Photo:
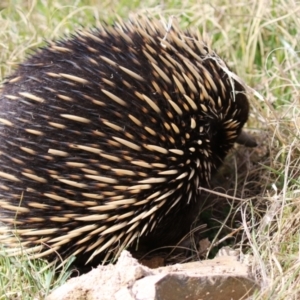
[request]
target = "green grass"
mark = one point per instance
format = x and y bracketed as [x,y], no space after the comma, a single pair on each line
[259,40]
[21,278]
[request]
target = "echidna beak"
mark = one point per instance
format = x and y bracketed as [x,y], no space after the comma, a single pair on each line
[246,139]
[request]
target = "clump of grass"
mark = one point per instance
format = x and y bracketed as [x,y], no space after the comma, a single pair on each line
[259,40]
[21,278]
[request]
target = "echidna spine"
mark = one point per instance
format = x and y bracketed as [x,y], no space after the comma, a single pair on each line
[106,137]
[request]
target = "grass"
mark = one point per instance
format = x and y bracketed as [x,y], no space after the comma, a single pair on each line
[259,40]
[21,278]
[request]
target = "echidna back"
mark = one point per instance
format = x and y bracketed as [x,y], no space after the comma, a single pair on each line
[106,137]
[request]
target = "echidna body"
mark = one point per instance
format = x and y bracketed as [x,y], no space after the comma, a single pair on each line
[107,136]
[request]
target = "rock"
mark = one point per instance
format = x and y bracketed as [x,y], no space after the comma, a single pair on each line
[221,278]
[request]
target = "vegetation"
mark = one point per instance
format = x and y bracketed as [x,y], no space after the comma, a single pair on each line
[259,39]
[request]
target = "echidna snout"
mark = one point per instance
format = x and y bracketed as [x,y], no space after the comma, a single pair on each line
[106,137]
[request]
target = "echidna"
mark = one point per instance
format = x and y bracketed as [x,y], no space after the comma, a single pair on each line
[106,137]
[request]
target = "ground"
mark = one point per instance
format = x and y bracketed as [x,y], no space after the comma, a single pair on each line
[256,193]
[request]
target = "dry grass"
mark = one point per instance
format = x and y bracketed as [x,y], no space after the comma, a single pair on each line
[259,39]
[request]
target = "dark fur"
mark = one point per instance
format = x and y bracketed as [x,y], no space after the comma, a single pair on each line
[25,113]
